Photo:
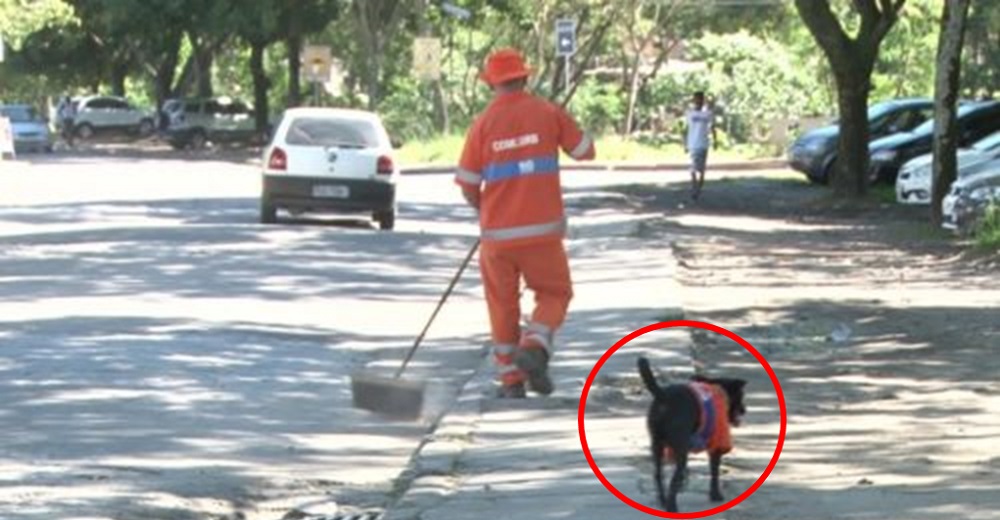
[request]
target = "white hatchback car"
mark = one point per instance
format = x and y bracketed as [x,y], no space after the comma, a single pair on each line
[913,186]
[330,160]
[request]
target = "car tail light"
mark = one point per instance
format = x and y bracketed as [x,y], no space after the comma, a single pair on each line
[385,166]
[278,160]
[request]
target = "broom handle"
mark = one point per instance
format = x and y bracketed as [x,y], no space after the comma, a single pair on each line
[444,298]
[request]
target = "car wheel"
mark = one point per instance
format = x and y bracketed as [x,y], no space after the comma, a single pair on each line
[874,176]
[268,212]
[386,219]
[829,173]
[146,128]
[198,140]
[84,131]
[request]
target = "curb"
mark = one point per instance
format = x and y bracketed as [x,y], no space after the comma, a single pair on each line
[430,477]
[767,164]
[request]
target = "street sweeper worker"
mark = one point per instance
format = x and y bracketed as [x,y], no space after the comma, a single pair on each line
[509,172]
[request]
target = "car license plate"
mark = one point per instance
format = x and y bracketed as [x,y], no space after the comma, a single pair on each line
[331,192]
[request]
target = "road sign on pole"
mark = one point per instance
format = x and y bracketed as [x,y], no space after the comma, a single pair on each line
[565,37]
[316,61]
[427,58]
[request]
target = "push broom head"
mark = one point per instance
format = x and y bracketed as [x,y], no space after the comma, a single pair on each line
[399,398]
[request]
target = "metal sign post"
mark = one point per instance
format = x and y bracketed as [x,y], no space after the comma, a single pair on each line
[566,44]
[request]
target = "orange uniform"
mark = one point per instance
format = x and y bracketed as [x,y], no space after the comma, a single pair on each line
[511,164]
[713,433]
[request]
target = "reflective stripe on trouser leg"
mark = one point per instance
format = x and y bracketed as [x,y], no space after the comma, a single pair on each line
[507,372]
[537,335]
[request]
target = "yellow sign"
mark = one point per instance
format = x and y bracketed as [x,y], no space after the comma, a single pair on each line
[316,60]
[427,58]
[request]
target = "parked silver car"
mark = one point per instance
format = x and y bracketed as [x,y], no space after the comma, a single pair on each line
[196,122]
[967,202]
[108,114]
[913,186]
[31,130]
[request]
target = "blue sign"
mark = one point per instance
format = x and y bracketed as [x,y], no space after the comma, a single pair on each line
[565,37]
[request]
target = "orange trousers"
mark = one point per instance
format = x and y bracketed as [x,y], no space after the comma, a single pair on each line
[545,270]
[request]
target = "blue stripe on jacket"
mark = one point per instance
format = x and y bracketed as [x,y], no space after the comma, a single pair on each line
[530,166]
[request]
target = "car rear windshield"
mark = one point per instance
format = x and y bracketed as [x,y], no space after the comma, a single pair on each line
[928,126]
[988,143]
[19,114]
[313,131]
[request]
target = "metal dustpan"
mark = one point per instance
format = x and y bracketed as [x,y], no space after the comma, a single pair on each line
[395,396]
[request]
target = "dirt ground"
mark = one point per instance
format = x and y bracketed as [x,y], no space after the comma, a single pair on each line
[884,334]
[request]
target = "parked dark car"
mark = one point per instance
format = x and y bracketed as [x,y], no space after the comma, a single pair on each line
[975,121]
[815,152]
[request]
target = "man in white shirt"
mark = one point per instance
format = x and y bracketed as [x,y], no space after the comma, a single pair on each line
[700,121]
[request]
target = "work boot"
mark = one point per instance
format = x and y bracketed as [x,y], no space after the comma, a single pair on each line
[534,361]
[511,391]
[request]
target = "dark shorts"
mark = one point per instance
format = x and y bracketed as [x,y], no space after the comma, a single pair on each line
[699,159]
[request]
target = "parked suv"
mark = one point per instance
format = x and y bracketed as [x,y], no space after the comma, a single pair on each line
[108,114]
[196,122]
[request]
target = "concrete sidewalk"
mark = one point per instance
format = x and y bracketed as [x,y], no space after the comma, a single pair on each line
[523,459]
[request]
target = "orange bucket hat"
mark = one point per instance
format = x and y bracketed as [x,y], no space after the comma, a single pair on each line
[504,65]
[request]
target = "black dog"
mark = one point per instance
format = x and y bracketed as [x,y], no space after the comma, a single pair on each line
[687,419]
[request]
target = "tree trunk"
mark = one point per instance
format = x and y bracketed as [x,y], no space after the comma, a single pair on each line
[946,90]
[850,177]
[184,81]
[165,72]
[852,61]
[442,100]
[633,95]
[260,85]
[203,59]
[119,72]
[294,43]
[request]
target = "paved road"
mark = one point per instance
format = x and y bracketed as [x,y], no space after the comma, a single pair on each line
[165,356]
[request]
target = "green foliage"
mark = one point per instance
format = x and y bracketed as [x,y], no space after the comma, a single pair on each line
[598,106]
[988,230]
[20,18]
[751,80]
[906,58]
[409,111]
[981,56]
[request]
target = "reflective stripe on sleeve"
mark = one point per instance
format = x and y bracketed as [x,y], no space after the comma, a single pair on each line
[581,149]
[468,177]
[534,230]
